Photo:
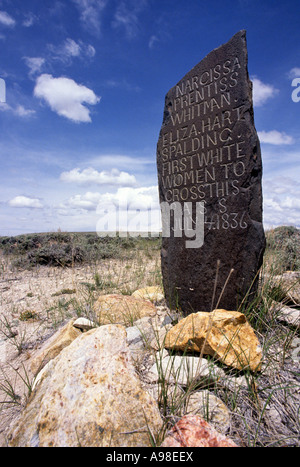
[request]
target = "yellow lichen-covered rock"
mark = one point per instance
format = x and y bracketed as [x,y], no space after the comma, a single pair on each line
[225,335]
[54,345]
[122,309]
[154,294]
[89,396]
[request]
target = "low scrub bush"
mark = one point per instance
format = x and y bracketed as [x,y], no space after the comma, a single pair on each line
[284,243]
[67,249]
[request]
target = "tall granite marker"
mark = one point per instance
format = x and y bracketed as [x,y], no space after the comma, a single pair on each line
[208,152]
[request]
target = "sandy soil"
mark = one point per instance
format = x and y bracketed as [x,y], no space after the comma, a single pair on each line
[41,292]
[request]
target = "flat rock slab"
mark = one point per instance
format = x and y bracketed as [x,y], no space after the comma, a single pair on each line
[53,346]
[286,314]
[122,309]
[208,152]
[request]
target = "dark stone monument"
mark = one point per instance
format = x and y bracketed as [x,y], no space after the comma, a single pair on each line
[208,152]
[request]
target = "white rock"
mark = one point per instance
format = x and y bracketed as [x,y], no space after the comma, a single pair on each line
[184,370]
[89,396]
[84,324]
[289,315]
[209,407]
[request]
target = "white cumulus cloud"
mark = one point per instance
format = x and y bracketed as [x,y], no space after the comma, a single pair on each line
[281,201]
[90,14]
[69,49]
[129,210]
[294,72]
[128,198]
[25,202]
[153,39]
[262,92]
[19,110]
[90,175]
[275,137]
[6,19]
[29,20]
[34,64]
[127,16]
[66,97]
[124,199]
[72,48]
[22,112]
[88,202]
[90,51]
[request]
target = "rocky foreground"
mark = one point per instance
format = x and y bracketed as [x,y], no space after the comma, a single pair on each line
[118,384]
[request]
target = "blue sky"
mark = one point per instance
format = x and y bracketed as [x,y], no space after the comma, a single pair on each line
[85,86]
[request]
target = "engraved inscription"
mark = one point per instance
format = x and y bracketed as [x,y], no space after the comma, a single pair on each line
[201,149]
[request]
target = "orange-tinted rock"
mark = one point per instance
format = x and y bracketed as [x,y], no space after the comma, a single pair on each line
[225,335]
[194,431]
